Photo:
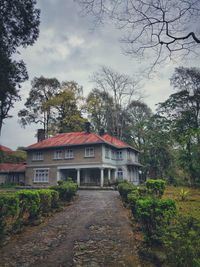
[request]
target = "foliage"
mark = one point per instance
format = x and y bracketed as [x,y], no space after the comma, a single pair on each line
[182,243]
[19,27]
[54,199]
[67,114]
[66,190]
[125,188]
[182,110]
[14,157]
[9,211]
[132,199]
[156,187]
[154,215]
[29,202]
[35,112]
[45,200]
[183,194]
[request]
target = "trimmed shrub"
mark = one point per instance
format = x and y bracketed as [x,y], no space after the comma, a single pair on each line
[66,190]
[182,242]
[156,187]
[45,200]
[154,215]
[132,198]
[9,212]
[29,203]
[125,188]
[54,199]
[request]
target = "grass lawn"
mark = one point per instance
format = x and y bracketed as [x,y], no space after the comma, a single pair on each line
[191,206]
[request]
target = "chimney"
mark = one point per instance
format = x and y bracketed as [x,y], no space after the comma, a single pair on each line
[40,135]
[87,127]
[101,132]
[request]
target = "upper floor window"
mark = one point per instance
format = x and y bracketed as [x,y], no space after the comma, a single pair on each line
[37,156]
[89,152]
[119,155]
[113,154]
[58,154]
[69,154]
[128,154]
[107,153]
[41,176]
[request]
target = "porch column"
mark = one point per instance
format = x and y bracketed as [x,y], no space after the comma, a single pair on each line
[102,177]
[58,175]
[78,177]
[109,174]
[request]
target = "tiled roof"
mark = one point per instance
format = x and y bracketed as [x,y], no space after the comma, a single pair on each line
[78,138]
[10,167]
[5,149]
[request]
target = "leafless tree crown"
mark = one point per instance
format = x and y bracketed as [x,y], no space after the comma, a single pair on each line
[166,27]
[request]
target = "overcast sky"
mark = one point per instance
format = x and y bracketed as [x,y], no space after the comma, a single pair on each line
[69,48]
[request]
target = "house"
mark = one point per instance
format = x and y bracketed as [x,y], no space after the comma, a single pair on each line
[12,173]
[6,149]
[88,158]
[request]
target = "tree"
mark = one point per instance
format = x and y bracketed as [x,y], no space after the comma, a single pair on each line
[165,28]
[121,88]
[138,114]
[99,107]
[19,27]
[12,73]
[67,114]
[42,90]
[183,111]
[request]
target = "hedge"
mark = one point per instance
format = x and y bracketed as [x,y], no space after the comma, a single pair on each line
[24,206]
[125,188]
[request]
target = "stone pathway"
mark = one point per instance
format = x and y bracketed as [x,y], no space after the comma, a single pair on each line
[93,231]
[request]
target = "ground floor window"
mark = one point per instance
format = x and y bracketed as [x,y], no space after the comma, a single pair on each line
[41,176]
[120,173]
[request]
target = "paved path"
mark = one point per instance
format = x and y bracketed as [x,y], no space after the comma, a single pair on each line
[93,231]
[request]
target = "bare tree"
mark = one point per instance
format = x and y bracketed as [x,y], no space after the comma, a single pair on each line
[165,27]
[122,88]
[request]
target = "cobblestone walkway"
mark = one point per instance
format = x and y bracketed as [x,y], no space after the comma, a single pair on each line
[93,231]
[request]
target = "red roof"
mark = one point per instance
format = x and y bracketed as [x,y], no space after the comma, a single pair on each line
[5,149]
[78,138]
[10,167]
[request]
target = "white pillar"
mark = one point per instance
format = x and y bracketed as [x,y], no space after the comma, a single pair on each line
[78,177]
[109,174]
[58,175]
[102,177]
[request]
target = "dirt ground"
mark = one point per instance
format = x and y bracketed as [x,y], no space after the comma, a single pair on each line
[95,230]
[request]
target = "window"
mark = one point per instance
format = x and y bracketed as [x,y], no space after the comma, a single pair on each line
[58,154]
[129,155]
[37,156]
[107,153]
[120,173]
[113,154]
[41,176]
[89,152]
[69,154]
[119,155]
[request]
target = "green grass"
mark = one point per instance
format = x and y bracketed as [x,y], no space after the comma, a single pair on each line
[189,207]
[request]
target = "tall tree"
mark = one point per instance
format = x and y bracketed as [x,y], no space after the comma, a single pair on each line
[35,112]
[166,28]
[19,27]
[99,107]
[122,88]
[67,113]
[183,110]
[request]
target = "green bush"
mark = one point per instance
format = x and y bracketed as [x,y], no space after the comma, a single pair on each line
[54,199]
[125,188]
[182,243]
[9,212]
[132,198]
[45,200]
[66,190]
[156,187]
[154,215]
[29,203]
